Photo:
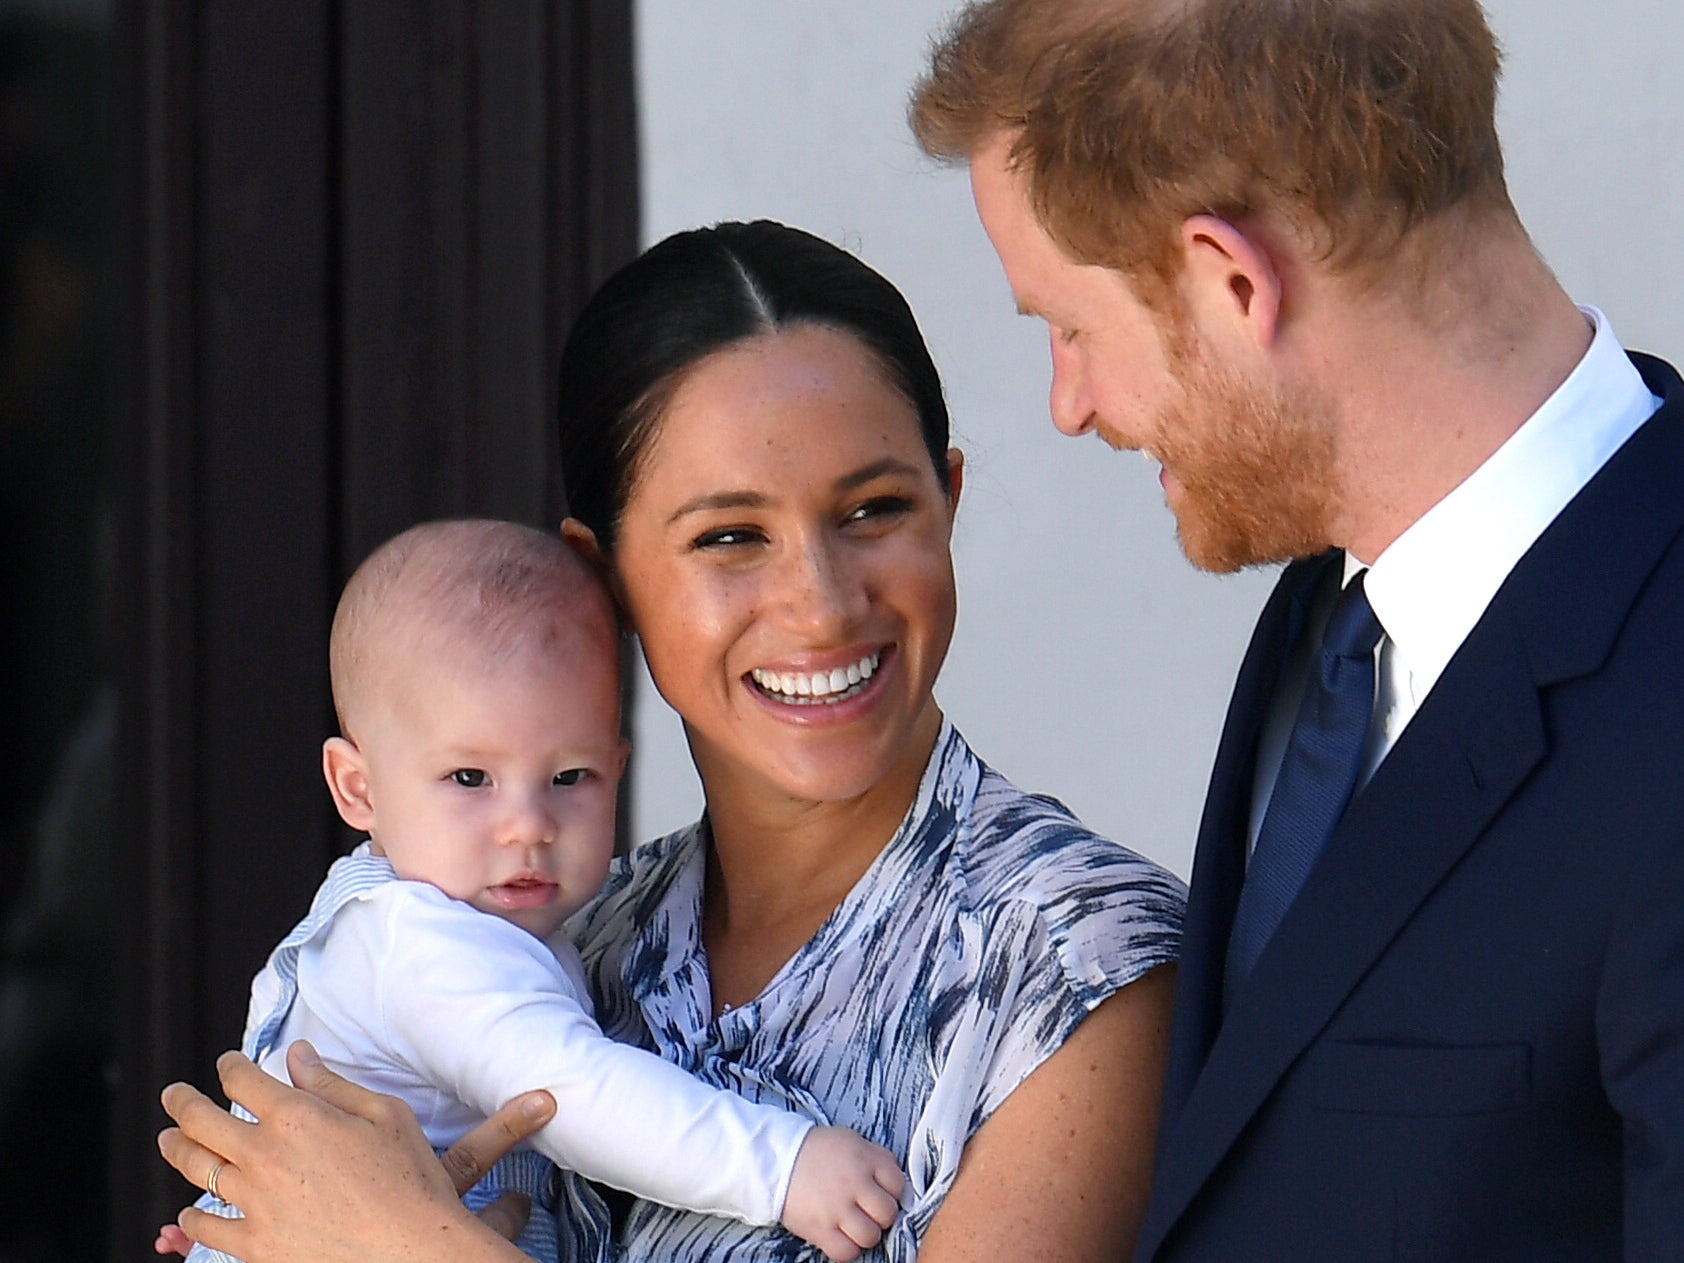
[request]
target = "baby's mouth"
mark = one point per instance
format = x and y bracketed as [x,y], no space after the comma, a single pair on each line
[817,688]
[524,892]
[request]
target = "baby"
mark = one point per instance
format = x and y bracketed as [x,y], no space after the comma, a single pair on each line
[476,679]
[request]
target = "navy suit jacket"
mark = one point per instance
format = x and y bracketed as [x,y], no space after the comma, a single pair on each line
[1466,1039]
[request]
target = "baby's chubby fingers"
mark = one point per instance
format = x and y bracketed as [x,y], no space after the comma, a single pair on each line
[880,1205]
[171,1240]
[837,1246]
[507,1215]
[860,1228]
[890,1178]
[891,1182]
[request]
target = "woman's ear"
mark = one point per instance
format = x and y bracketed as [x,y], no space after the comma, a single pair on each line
[582,540]
[346,773]
[955,477]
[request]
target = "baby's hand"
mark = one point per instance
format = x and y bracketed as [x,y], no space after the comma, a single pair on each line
[172,1240]
[843,1194]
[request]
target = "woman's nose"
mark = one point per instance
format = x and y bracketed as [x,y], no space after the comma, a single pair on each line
[1068,400]
[822,592]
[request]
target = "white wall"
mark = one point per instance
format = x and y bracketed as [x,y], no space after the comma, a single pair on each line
[1091,661]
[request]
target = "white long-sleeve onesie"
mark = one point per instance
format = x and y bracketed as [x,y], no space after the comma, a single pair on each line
[454,1011]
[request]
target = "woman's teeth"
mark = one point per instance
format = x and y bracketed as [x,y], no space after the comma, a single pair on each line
[826,688]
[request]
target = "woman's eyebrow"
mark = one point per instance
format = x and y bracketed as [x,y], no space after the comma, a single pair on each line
[719,500]
[715,500]
[877,469]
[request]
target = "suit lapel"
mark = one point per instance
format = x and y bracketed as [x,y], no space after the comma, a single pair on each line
[1219,864]
[1473,742]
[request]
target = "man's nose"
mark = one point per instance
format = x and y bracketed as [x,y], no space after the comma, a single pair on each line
[1069,400]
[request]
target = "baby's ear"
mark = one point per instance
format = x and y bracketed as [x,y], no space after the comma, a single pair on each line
[346,773]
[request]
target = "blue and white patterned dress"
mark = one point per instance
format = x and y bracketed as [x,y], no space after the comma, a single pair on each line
[989,927]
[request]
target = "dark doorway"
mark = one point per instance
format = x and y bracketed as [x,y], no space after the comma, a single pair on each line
[275,282]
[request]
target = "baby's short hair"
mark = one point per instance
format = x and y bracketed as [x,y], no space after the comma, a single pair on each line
[470,586]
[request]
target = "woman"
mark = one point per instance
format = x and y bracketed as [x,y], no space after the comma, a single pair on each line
[868,923]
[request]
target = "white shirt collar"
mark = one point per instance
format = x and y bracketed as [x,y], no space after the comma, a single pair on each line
[1430,587]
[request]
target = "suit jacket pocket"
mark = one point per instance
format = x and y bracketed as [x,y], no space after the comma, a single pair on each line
[1419,1080]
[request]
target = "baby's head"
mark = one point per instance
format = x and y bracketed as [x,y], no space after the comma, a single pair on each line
[476,676]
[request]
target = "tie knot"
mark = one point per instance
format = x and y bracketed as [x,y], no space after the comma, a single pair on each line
[1352,631]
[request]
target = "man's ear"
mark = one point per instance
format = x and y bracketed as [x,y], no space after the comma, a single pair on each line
[346,773]
[955,477]
[1231,279]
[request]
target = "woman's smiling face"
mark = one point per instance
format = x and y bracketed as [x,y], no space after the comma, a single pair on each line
[784,558]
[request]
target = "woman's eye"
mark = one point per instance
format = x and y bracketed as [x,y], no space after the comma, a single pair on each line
[468,777]
[572,776]
[727,537]
[880,507]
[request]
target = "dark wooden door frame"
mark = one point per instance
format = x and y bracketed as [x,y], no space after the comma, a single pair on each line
[357,234]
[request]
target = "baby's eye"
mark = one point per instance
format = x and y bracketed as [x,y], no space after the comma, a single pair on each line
[468,777]
[572,776]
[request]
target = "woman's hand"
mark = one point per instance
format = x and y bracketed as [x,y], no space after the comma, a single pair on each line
[333,1172]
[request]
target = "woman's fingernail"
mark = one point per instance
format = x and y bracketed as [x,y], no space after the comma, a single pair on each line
[534,1107]
[306,1054]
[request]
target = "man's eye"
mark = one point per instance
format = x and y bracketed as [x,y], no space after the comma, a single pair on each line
[572,776]
[468,777]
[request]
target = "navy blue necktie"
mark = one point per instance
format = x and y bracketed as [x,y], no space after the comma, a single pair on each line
[1317,777]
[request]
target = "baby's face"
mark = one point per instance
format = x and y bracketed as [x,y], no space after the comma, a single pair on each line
[497,785]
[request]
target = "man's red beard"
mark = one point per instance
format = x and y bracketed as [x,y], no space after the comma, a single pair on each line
[1255,467]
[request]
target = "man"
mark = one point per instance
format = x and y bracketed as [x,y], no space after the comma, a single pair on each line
[1431,1003]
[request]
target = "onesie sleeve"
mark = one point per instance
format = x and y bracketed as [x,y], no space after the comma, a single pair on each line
[485,1010]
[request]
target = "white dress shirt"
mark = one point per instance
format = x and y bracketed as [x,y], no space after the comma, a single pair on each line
[1432,585]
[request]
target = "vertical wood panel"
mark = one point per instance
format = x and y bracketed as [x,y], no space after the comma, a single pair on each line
[158,1025]
[514,228]
[356,233]
[404,166]
[266,398]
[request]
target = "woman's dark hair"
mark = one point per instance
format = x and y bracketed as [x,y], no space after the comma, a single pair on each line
[697,293]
